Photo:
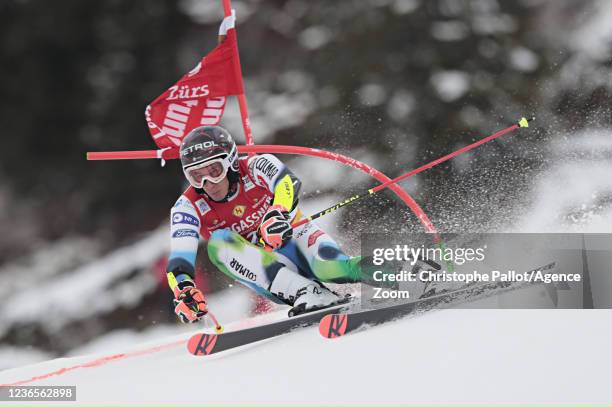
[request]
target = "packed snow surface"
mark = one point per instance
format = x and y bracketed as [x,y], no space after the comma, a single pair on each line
[452,356]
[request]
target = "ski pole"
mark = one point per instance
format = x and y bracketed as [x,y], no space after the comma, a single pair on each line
[218,326]
[523,123]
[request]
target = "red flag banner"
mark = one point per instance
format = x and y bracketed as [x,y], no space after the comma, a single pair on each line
[198,98]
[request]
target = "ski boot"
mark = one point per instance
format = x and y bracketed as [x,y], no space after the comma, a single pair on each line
[313,297]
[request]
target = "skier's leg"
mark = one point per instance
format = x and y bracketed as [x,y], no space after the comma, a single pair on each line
[324,259]
[268,273]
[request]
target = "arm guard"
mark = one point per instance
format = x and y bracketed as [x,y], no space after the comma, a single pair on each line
[286,193]
[185,236]
[267,170]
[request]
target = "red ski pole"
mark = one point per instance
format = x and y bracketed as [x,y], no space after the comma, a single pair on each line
[523,123]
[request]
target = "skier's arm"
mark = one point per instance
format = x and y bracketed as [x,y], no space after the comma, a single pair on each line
[287,191]
[270,172]
[185,235]
[189,302]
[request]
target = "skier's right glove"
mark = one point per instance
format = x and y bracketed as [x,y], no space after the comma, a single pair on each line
[275,229]
[189,303]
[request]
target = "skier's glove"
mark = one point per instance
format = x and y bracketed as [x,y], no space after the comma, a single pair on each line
[275,229]
[189,303]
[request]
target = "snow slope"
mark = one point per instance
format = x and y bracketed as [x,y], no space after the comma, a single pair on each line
[452,356]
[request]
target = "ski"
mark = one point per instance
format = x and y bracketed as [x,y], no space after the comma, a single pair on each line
[208,343]
[334,325]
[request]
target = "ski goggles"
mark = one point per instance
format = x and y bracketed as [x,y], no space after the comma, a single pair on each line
[212,170]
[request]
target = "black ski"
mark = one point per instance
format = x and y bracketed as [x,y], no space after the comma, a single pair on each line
[209,343]
[334,325]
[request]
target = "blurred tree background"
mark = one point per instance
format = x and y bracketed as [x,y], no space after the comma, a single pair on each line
[394,83]
[407,80]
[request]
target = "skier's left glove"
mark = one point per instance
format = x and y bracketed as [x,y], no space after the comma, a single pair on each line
[275,229]
[189,303]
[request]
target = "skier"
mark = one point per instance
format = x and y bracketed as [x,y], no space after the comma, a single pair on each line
[244,208]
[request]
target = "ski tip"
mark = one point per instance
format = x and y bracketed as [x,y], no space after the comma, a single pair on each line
[201,344]
[333,325]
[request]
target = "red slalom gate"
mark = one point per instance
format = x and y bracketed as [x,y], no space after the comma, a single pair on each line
[170,154]
[351,162]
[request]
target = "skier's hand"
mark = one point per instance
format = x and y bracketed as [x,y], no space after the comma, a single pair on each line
[275,229]
[189,304]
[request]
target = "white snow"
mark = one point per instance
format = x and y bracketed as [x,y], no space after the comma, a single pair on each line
[453,356]
[570,196]
[45,263]
[372,94]
[288,111]
[229,306]
[594,38]
[273,112]
[325,174]
[315,37]
[12,356]
[65,294]
[451,85]
[401,104]
[524,59]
